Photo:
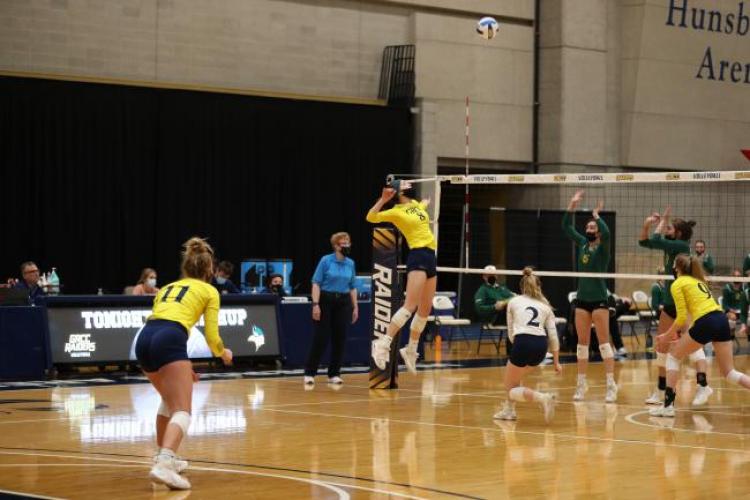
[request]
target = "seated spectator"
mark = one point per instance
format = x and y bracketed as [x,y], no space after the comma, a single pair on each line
[658,292]
[222,272]
[146,283]
[704,257]
[29,281]
[276,285]
[491,299]
[735,304]
[618,306]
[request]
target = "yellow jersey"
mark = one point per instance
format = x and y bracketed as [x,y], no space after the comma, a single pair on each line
[692,296]
[184,302]
[412,220]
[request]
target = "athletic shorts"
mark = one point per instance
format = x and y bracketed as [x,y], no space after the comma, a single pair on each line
[422,259]
[713,327]
[591,306]
[528,350]
[670,310]
[160,342]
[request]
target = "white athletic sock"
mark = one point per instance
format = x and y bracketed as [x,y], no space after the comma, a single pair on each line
[538,396]
[581,378]
[413,344]
[166,453]
[610,378]
[386,339]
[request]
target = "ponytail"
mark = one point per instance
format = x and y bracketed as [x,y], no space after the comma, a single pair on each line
[531,286]
[690,266]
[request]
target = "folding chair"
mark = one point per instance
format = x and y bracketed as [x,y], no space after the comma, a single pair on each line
[444,312]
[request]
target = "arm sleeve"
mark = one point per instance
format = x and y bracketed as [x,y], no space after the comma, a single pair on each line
[708,264]
[655,297]
[554,342]
[726,299]
[604,230]
[211,317]
[569,230]
[353,279]
[382,216]
[510,321]
[679,301]
[481,303]
[659,242]
[319,271]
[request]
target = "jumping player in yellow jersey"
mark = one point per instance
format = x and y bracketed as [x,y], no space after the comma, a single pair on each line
[693,297]
[161,350]
[411,218]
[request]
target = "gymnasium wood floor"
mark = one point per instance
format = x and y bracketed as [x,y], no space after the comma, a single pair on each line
[433,438]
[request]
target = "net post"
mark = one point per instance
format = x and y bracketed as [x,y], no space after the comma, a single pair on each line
[386,300]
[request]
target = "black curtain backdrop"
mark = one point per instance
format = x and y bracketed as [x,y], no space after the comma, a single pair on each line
[103,180]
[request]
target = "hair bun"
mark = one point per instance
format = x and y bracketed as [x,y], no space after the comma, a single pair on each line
[196,245]
[527,271]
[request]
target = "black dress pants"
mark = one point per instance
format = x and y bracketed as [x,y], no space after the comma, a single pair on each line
[335,317]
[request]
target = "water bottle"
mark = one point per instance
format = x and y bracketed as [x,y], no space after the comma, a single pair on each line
[54,282]
[100,292]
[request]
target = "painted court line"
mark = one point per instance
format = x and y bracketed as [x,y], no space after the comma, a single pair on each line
[335,487]
[531,433]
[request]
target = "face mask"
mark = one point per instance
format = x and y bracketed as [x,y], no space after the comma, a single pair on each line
[699,253]
[220,280]
[151,282]
[346,250]
[591,236]
[276,288]
[492,280]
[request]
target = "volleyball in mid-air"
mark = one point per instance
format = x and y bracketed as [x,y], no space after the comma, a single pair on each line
[487,27]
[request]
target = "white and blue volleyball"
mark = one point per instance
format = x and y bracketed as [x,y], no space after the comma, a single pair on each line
[487,27]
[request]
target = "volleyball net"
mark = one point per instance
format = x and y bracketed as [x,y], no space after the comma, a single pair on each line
[516,221]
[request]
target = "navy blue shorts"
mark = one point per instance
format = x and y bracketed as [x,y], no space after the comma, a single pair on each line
[713,327]
[528,350]
[670,310]
[591,306]
[161,342]
[422,259]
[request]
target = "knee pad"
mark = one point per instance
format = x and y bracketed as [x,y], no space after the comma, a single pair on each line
[734,376]
[401,317]
[163,410]
[182,420]
[418,323]
[697,356]
[661,359]
[606,351]
[516,394]
[582,352]
[673,364]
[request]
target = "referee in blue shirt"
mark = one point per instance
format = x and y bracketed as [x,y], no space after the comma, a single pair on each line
[334,305]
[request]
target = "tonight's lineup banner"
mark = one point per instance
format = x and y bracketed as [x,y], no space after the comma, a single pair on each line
[98,334]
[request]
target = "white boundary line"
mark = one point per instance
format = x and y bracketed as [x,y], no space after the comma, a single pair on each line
[531,433]
[136,463]
[631,419]
[30,495]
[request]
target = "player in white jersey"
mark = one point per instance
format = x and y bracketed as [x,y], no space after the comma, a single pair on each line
[531,329]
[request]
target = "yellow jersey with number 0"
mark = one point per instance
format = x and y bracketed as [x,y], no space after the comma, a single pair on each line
[184,302]
[692,296]
[412,220]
